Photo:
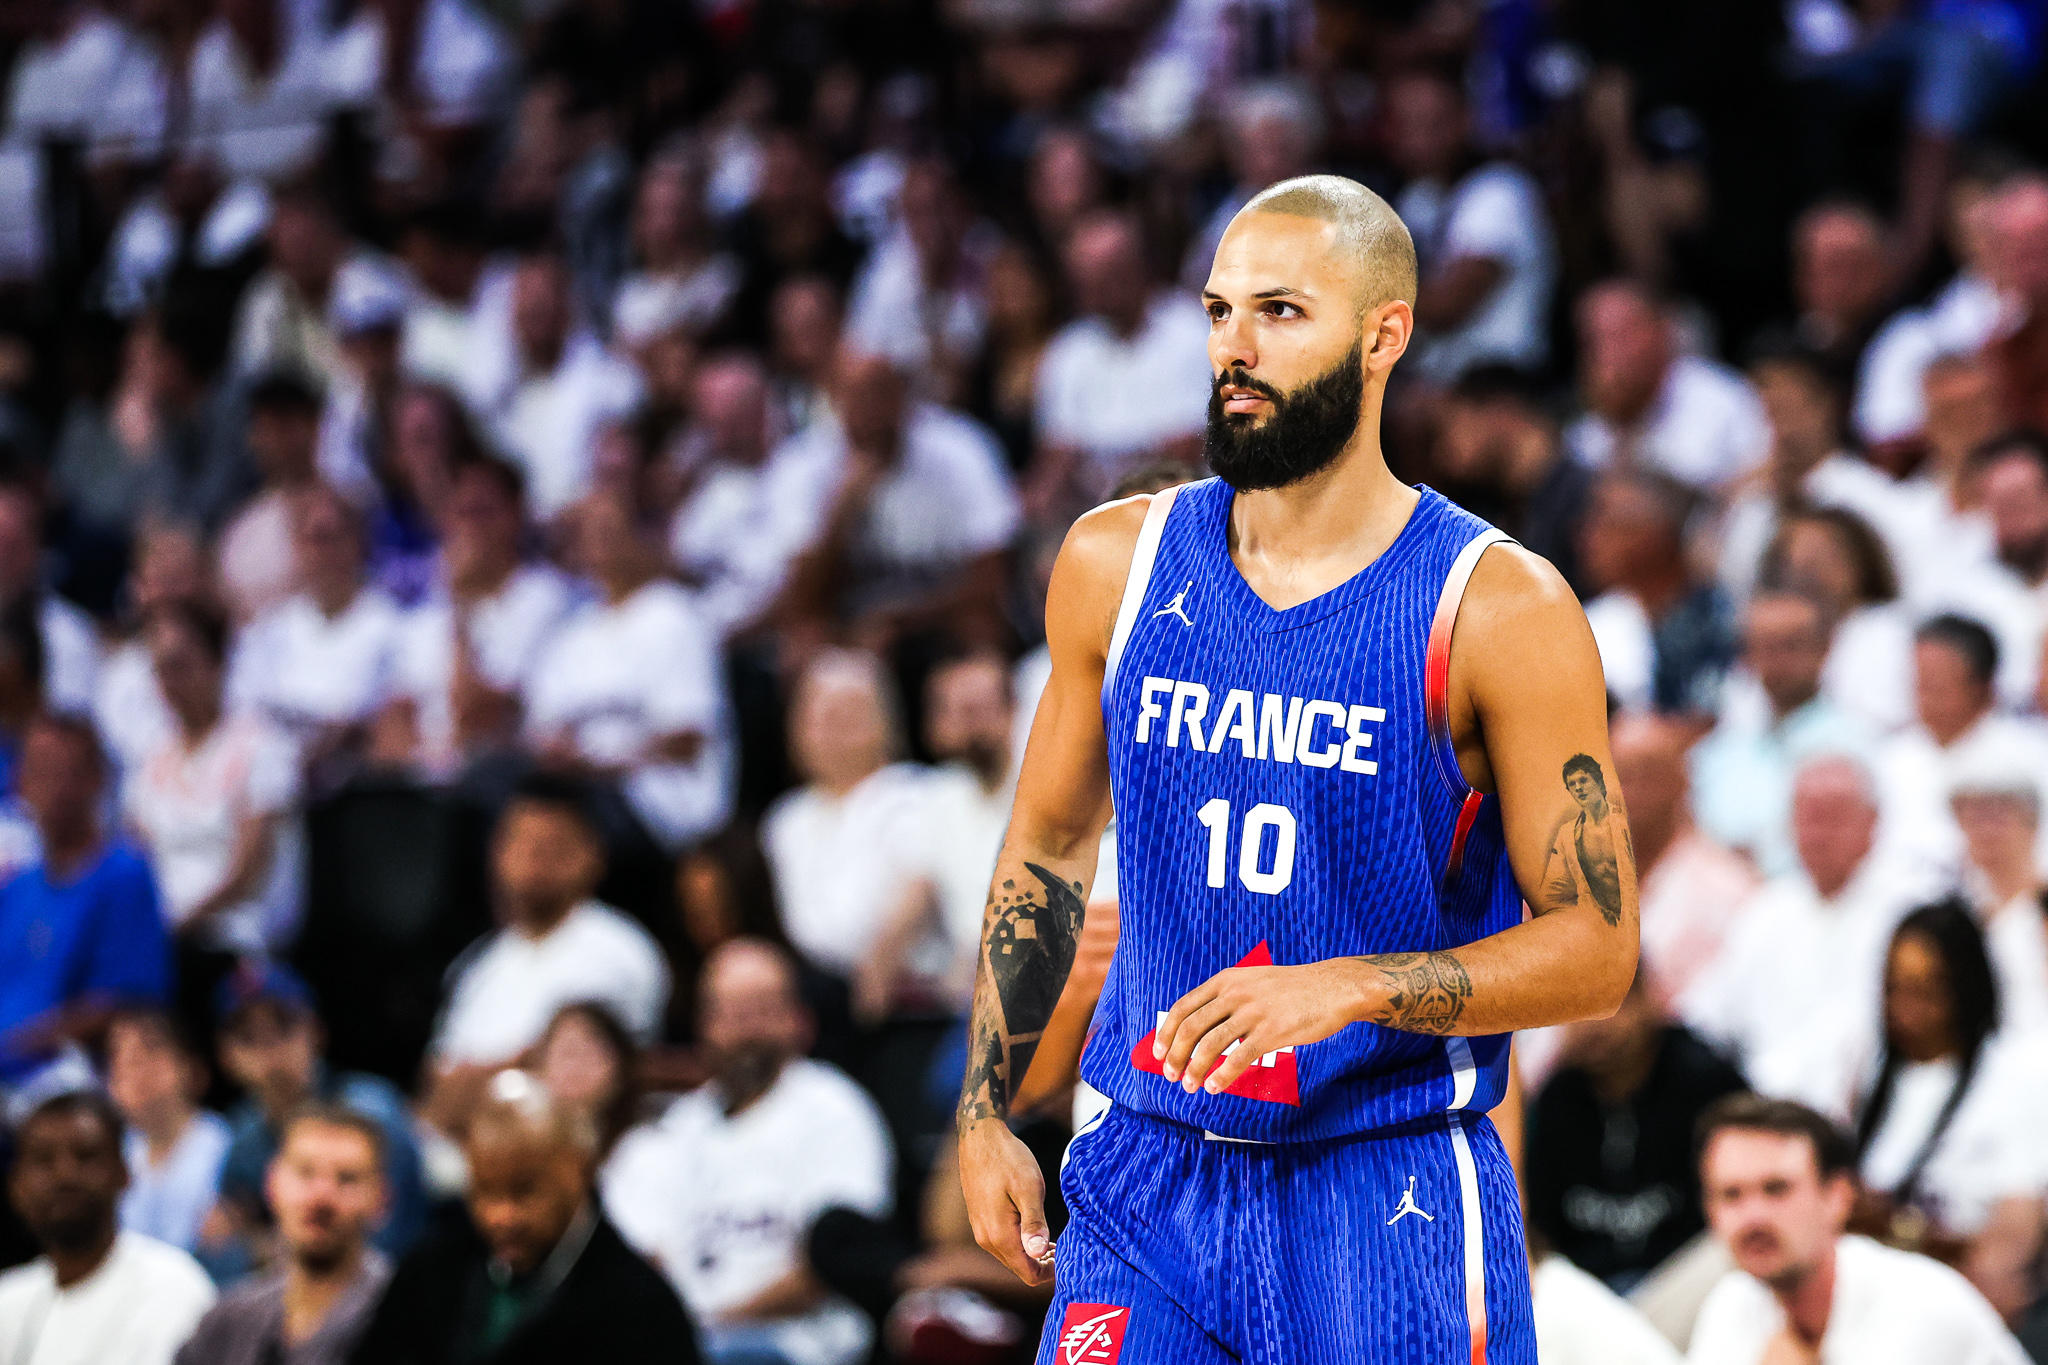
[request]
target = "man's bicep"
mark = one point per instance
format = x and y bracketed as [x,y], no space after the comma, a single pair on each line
[1541,703]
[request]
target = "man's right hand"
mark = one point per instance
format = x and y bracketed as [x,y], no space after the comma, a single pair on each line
[1006,1199]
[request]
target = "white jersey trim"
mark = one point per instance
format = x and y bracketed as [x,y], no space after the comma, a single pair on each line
[1136,581]
[1475,1236]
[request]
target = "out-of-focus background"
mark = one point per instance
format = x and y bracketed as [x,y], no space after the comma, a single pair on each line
[506,506]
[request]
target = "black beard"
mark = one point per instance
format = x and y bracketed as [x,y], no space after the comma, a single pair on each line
[1306,432]
[745,1071]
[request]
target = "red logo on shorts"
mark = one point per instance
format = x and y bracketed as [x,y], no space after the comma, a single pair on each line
[1092,1334]
[1272,1077]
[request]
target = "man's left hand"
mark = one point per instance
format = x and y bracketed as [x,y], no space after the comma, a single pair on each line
[1261,1009]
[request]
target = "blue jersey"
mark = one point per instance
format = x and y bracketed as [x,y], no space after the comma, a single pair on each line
[1286,791]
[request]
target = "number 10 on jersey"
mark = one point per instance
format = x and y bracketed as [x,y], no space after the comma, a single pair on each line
[1260,818]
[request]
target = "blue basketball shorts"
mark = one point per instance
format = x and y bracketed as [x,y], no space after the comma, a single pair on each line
[1396,1248]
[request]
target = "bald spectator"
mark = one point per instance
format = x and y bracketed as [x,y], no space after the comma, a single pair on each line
[1649,404]
[723,1190]
[916,536]
[1692,889]
[1963,414]
[1795,993]
[536,1274]
[750,497]
[1275,133]
[1665,638]
[95,1293]
[1839,282]
[1127,379]
[1482,236]
[326,1189]
[1776,719]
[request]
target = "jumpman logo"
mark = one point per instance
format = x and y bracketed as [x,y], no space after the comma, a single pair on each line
[1408,1206]
[1177,607]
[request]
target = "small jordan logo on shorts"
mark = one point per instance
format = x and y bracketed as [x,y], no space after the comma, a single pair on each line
[1178,606]
[1092,1334]
[1408,1206]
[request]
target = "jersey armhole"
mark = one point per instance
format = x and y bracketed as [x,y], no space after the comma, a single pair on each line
[1436,674]
[1136,581]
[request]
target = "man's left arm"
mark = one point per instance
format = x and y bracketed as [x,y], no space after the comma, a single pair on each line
[1529,714]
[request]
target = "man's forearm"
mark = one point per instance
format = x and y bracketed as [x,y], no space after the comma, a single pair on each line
[1552,970]
[1028,940]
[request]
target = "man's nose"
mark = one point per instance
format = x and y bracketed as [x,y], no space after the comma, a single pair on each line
[1230,344]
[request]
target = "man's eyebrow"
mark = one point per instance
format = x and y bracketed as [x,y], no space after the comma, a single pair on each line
[1278,291]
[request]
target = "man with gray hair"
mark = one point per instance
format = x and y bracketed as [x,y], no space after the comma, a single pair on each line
[1996,799]
[536,1274]
[1795,996]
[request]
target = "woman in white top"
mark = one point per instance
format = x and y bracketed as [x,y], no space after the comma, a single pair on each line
[214,801]
[1948,1127]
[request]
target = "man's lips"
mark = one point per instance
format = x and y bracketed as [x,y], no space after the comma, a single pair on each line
[1237,399]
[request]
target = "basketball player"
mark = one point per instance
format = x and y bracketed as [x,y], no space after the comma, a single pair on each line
[1348,729]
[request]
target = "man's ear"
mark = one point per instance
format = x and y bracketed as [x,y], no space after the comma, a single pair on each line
[1388,330]
[1839,1192]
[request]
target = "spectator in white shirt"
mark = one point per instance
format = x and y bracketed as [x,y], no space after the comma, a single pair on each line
[1482,236]
[216,801]
[320,666]
[256,568]
[750,504]
[71,649]
[1794,996]
[721,1193]
[257,94]
[1779,1184]
[552,389]
[1964,414]
[1773,722]
[842,848]
[174,1148]
[1958,726]
[676,247]
[97,1293]
[1833,554]
[630,691]
[558,946]
[471,648]
[1580,1321]
[1127,379]
[1649,404]
[917,534]
[1948,1113]
[1808,467]
[170,564]
[920,300]
[1997,805]
[282,323]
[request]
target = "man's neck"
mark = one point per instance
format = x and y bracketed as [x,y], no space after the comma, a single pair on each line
[539,926]
[2011,878]
[161,1129]
[1949,735]
[1833,887]
[1304,539]
[1808,1302]
[1784,709]
[73,1266]
[334,598]
[483,578]
[68,852]
[309,1294]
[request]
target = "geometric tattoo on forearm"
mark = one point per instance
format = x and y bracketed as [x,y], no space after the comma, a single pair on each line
[1029,939]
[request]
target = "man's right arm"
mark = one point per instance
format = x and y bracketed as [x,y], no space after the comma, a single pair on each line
[1033,923]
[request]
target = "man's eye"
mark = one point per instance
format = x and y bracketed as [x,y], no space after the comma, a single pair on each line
[1274,306]
[1216,311]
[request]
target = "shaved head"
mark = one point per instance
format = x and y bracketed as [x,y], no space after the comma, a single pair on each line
[1369,235]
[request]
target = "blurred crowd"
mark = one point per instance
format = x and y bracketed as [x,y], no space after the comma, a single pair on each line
[524,528]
